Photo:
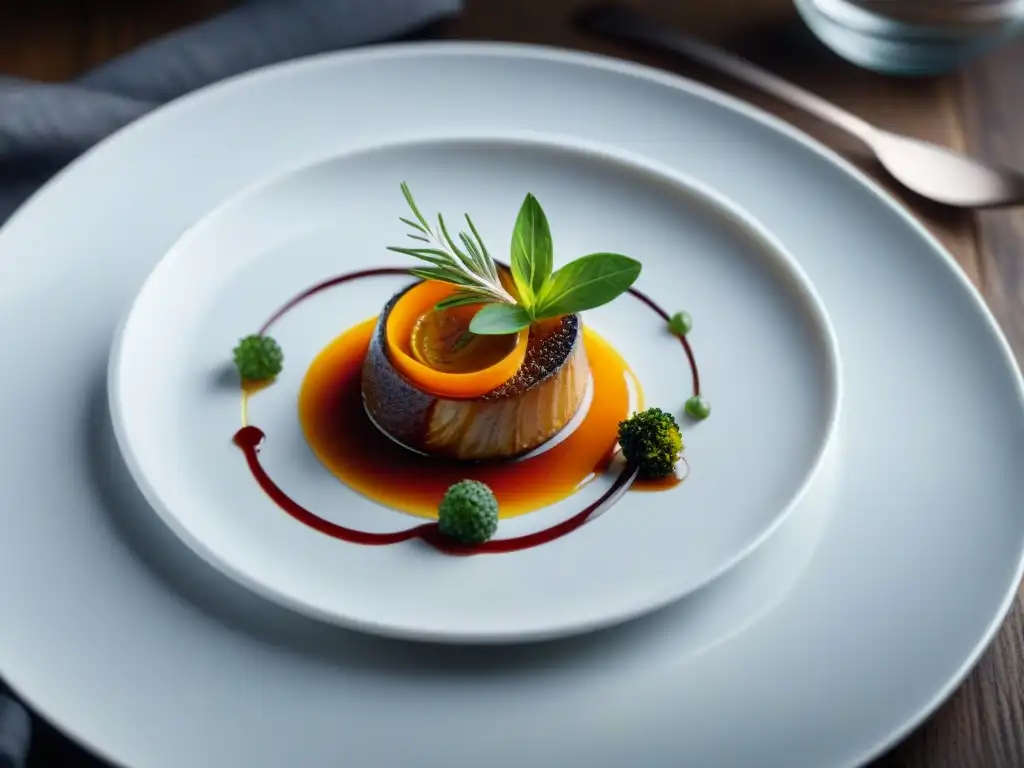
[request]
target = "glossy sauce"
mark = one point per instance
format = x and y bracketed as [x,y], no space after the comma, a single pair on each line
[658,484]
[340,433]
[442,340]
[250,438]
[347,443]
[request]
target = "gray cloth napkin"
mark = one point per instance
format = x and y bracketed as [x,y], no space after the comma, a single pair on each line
[44,126]
[15,731]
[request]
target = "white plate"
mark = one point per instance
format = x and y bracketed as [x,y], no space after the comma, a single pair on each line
[766,354]
[916,567]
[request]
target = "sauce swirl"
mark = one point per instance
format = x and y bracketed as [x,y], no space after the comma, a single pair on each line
[347,443]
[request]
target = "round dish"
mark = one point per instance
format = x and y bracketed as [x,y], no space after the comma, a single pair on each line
[768,360]
[918,562]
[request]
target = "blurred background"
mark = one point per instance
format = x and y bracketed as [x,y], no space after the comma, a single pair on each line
[950,71]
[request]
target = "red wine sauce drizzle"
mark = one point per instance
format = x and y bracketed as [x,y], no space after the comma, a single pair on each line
[329,284]
[250,438]
[685,341]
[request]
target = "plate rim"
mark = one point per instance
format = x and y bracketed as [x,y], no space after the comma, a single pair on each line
[697,192]
[643,72]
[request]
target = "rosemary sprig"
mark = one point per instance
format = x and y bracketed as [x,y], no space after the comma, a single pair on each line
[543,292]
[471,267]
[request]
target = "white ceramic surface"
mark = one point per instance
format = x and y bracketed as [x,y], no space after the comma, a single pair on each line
[767,356]
[916,566]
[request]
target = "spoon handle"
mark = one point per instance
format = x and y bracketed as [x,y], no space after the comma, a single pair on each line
[620,23]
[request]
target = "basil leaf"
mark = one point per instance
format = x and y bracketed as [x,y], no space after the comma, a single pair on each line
[586,283]
[497,319]
[532,250]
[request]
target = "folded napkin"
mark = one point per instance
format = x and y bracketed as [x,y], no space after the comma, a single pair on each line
[43,126]
[15,730]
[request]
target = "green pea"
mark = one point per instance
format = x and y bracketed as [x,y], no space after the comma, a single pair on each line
[681,323]
[698,408]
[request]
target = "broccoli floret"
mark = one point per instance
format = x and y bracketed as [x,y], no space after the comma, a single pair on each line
[258,358]
[468,513]
[651,441]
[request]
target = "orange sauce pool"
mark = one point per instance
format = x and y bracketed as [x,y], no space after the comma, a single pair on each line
[657,484]
[344,439]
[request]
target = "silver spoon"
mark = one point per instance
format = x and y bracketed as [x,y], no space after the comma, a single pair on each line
[931,171]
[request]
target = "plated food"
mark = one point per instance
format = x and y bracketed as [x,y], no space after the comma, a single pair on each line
[478,392]
[192,629]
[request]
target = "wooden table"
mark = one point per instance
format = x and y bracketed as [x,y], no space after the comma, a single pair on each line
[981,110]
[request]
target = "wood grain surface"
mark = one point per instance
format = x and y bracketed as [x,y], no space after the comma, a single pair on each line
[982,110]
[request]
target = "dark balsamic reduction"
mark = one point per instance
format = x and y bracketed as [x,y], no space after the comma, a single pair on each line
[250,438]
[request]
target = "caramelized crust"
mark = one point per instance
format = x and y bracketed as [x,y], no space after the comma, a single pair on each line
[526,411]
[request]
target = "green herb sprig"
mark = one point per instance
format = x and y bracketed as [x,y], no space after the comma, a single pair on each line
[542,292]
[472,269]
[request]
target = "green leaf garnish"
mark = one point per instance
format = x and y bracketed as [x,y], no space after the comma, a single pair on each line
[497,319]
[532,251]
[464,261]
[586,283]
